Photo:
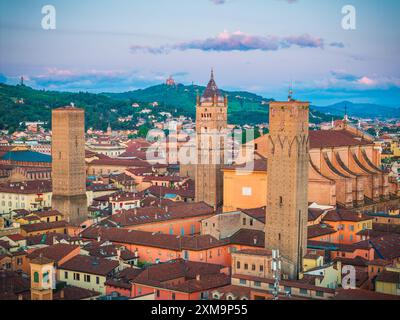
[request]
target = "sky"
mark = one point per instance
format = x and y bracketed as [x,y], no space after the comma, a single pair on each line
[261,46]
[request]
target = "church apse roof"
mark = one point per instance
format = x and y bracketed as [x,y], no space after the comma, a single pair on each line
[333,138]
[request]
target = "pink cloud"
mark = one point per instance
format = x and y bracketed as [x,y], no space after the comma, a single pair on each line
[238,41]
[366,81]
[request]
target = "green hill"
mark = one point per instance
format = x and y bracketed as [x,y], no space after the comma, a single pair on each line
[244,107]
[21,103]
[37,105]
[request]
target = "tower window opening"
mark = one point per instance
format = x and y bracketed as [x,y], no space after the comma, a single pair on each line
[281,201]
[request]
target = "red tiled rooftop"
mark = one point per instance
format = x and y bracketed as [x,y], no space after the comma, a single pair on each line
[345,215]
[156,240]
[319,230]
[54,252]
[15,237]
[178,210]
[74,293]
[197,276]
[91,265]
[27,187]
[335,138]
[249,237]
[256,252]
[44,226]
[50,213]
[121,162]
[256,213]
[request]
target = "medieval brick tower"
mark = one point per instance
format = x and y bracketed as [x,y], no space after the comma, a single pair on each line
[287,206]
[68,164]
[211,123]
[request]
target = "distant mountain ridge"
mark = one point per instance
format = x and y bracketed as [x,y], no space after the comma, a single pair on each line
[363,110]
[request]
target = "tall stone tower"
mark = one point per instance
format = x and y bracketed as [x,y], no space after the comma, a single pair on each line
[68,164]
[211,123]
[287,205]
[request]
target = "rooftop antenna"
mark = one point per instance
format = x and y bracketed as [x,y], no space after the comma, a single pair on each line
[276,267]
[290,91]
[346,117]
[378,131]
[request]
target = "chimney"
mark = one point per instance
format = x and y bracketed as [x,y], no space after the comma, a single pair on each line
[166,208]
[119,254]
[198,277]
[135,211]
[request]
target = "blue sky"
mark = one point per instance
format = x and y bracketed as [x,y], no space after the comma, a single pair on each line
[254,45]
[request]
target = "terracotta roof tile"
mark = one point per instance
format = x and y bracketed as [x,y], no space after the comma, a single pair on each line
[335,138]
[74,293]
[318,230]
[91,265]
[174,211]
[345,215]
[44,226]
[198,276]
[157,240]
[54,252]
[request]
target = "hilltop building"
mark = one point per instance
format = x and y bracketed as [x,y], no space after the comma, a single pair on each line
[170,81]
